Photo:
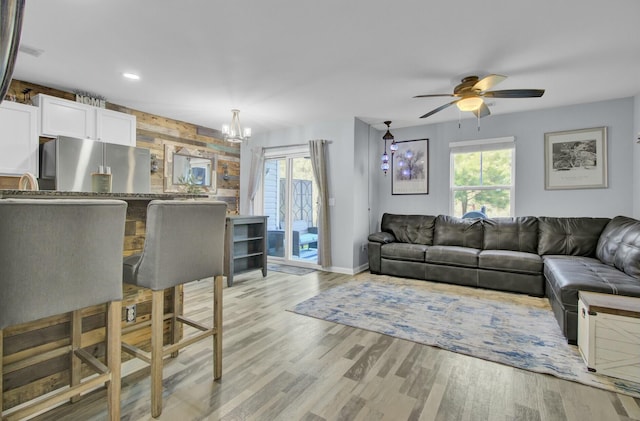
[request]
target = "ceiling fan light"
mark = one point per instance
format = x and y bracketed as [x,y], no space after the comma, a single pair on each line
[470,104]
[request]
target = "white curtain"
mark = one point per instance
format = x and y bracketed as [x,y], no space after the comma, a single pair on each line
[255,175]
[319,162]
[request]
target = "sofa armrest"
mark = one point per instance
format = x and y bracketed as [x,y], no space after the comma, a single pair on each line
[382,237]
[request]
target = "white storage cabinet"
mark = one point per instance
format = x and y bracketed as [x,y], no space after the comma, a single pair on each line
[18,139]
[609,334]
[61,117]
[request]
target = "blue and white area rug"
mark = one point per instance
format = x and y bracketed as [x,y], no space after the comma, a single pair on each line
[511,329]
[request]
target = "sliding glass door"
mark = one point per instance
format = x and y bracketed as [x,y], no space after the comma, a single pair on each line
[290,199]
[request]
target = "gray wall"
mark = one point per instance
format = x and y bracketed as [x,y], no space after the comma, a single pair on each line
[362,192]
[636,157]
[528,129]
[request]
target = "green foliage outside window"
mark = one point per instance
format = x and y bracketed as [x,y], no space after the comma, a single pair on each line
[474,175]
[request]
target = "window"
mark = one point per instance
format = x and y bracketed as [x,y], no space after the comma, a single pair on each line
[482,177]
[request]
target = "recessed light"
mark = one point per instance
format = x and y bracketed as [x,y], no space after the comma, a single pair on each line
[131,76]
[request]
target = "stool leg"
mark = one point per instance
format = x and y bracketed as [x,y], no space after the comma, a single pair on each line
[177,311]
[113,338]
[76,338]
[157,330]
[217,323]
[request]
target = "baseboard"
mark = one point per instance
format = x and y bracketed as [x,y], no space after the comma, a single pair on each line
[348,271]
[361,268]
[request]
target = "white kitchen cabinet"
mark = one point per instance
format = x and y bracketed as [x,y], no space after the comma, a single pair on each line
[61,117]
[18,139]
[115,127]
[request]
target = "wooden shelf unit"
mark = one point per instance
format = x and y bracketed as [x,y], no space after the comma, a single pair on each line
[245,246]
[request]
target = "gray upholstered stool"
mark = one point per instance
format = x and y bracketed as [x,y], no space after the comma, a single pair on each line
[59,256]
[184,242]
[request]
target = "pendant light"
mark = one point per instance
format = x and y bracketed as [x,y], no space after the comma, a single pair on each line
[393,147]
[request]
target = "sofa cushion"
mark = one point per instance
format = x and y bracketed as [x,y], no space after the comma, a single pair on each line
[453,255]
[517,234]
[510,261]
[568,275]
[619,245]
[569,236]
[452,231]
[403,251]
[308,238]
[414,229]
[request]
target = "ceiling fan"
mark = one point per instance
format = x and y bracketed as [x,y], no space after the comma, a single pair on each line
[471,91]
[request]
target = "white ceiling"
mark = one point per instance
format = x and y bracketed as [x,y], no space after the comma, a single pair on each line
[287,63]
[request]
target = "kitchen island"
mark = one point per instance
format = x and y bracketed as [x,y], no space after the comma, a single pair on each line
[136,208]
[55,194]
[35,361]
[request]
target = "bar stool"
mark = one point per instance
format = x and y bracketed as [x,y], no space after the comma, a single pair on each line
[59,256]
[184,242]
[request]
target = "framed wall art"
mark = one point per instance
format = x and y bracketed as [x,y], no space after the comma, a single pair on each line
[576,159]
[410,167]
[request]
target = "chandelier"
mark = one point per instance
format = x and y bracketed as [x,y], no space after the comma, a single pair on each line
[393,147]
[233,132]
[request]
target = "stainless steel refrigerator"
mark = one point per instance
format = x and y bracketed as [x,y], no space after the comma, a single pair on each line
[67,164]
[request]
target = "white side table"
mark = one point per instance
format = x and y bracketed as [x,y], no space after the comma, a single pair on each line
[609,334]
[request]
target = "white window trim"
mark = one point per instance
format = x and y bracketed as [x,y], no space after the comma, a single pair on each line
[482,145]
[496,141]
[286,152]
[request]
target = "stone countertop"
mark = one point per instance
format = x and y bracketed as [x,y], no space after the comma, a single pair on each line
[91,195]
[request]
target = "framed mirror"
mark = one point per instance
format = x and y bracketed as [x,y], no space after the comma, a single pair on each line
[189,170]
[192,170]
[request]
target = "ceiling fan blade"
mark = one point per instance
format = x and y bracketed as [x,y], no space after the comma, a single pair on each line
[488,82]
[483,111]
[434,95]
[440,108]
[515,93]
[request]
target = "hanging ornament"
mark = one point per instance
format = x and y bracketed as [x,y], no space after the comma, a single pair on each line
[385,161]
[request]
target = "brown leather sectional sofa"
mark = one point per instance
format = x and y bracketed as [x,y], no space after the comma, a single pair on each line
[551,256]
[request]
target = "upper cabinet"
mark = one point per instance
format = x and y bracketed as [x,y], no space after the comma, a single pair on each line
[115,127]
[18,139]
[61,117]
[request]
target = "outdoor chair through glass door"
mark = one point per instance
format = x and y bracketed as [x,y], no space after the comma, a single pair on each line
[290,198]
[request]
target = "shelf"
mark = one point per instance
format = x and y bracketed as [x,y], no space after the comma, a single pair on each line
[245,245]
[239,240]
[244,256]
[239,271]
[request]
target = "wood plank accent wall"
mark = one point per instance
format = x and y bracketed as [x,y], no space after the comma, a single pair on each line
[152,133]
[32,352]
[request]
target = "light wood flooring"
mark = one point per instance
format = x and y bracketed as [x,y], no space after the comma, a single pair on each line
[278,365]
